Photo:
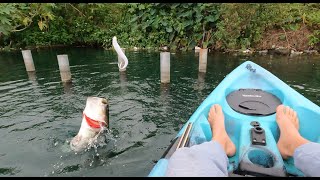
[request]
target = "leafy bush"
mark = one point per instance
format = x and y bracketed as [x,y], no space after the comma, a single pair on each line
[181,26]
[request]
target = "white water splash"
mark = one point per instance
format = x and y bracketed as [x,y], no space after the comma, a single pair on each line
[102,138]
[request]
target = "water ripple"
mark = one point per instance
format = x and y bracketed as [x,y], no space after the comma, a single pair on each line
[39,115]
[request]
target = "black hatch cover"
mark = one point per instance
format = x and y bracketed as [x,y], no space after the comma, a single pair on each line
[255,102]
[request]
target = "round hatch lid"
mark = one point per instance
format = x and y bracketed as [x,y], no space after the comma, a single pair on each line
[254,102]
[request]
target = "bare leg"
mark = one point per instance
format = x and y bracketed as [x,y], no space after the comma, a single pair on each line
[206,159]
[219,134]
[290,138]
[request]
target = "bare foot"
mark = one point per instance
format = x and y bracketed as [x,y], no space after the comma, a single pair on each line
[292,116]
[219,134]
[290,137]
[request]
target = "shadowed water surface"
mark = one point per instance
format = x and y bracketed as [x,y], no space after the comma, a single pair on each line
[39,114]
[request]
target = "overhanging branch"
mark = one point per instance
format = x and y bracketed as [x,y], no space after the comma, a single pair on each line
[77,9]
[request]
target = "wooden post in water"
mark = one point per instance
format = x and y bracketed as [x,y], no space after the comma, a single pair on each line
[121,60]
[64,68]
[28,60]
[203,55]
[165,67]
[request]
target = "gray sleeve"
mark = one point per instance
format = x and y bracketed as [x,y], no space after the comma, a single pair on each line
[206,159]
[307,159]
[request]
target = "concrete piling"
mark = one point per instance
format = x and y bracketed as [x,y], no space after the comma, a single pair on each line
[165,67]
[203,56]
[28,60]
[32,75]
[64,67]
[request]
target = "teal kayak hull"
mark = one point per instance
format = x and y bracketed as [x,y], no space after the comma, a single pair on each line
[238,125]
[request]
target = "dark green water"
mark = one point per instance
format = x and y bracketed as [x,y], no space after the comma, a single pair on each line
[39,114]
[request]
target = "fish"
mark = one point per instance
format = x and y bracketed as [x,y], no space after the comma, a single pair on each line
[95,118]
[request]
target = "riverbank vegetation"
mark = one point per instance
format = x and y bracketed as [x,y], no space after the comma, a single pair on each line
[179,26]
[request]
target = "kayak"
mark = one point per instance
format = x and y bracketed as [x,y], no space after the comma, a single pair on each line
[249,96]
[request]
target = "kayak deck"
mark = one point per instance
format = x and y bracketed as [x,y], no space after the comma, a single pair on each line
[249,158]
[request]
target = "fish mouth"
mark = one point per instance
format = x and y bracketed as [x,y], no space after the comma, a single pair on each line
[104,101]
[97,108]
[95,102]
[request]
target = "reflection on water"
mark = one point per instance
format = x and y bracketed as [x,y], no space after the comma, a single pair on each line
[123,81]
[164,92]
[67,87]
[123,76]
[32,76]
[201,81]
[39,114]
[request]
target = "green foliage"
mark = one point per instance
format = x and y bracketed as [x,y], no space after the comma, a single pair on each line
[74,24]
[5,21]
[242,25]
[313,20]
[18,16]
[181,26]
[314,39]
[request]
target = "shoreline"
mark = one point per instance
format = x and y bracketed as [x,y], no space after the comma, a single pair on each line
[275,50]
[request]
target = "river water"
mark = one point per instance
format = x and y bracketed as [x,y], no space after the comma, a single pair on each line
[39,115]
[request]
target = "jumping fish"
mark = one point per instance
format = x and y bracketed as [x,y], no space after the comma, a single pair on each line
[95,118]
